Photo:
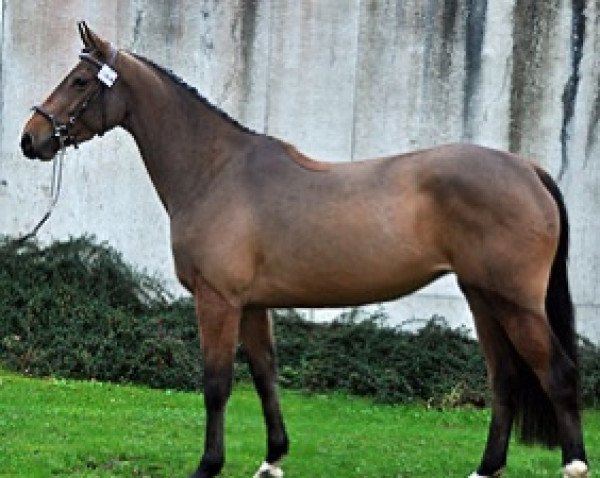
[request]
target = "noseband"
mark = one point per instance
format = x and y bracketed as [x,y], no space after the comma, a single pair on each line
[106,77]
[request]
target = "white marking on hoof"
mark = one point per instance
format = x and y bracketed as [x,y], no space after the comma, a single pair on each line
[268,470]
[495,475]
[576,469]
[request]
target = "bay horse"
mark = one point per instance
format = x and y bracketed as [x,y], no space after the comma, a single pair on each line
[255,224]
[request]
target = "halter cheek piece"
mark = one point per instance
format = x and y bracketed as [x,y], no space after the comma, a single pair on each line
[106,77]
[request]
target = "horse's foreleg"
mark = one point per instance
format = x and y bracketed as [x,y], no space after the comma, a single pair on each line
[256,334]
[219,326]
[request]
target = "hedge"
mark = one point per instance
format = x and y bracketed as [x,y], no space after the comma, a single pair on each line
[76,309]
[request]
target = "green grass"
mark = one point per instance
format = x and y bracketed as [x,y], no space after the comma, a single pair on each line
[51,428]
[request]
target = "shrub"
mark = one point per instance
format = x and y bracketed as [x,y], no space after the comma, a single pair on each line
[75,309]
[368,358]
[589,359]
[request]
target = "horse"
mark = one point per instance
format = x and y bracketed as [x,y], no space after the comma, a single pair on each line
[255,224]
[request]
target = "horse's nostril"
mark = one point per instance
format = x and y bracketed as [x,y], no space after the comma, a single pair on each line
[27,145]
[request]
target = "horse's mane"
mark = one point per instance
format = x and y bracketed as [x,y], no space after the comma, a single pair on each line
[293,153]
[193,91]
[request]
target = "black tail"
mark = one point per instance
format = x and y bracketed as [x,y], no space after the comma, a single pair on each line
[559,306]
[535,415]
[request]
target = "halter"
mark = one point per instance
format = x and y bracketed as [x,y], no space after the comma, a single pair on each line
[106,77]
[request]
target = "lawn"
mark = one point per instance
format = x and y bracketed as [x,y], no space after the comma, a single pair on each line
[60,428]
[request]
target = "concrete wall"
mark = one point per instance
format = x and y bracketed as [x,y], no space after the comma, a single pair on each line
[343,80]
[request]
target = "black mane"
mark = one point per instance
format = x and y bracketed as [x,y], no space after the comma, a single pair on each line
[194,92]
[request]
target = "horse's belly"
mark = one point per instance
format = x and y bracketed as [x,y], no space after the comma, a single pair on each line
[346,283]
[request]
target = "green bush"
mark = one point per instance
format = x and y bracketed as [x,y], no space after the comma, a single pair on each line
[589,359]
[367,358]
[75,309]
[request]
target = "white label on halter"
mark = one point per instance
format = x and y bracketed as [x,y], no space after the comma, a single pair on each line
[107,75]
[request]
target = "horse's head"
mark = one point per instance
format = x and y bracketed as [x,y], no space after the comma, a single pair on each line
[87,102]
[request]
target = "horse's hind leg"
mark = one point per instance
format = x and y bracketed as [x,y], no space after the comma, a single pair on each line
[563,389]
[501,374]
[546,400]
[256,335]
[531,335]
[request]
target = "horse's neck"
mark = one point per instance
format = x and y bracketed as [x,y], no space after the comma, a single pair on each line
[183,141]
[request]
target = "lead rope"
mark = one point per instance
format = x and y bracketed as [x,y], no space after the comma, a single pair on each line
[55,186]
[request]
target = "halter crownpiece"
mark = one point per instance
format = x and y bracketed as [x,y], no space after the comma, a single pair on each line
[106,74]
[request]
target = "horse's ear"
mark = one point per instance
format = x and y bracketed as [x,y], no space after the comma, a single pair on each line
[91,40]
[84,33]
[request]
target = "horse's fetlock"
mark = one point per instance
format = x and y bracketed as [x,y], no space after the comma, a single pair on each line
[277,449]
[211,464]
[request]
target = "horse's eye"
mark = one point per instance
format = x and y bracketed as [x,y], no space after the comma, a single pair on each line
[80,82]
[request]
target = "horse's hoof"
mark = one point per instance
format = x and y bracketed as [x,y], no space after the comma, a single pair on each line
[576,469]
[498,474]
[268,470]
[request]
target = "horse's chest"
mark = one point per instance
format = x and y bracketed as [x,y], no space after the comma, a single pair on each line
[219,253]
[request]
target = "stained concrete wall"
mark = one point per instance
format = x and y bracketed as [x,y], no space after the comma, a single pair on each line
[343,80]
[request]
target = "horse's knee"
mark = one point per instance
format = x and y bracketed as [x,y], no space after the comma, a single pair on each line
[217,387]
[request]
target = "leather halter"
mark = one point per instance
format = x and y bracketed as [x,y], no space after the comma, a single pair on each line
[105,78]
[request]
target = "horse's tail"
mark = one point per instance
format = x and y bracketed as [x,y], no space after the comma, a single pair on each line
[535,415]
[559,306]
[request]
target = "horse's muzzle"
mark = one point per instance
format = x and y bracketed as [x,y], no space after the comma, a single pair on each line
[27,145]
[44,151]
